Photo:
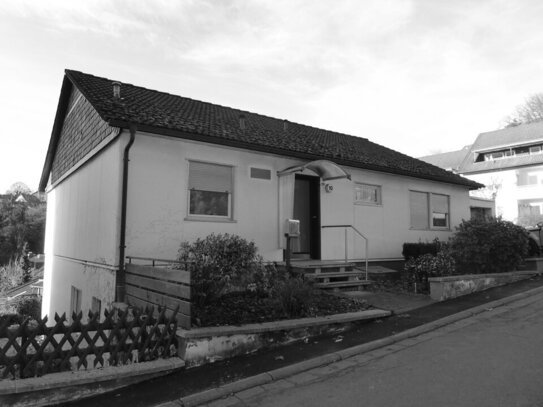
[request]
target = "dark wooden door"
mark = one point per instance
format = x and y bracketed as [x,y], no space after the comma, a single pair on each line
[307,211]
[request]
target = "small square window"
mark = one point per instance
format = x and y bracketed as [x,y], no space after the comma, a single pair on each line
[367,194]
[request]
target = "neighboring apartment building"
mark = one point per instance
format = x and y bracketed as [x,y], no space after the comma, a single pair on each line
[510,163]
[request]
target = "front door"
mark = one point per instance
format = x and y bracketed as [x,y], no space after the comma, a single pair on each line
[307,211]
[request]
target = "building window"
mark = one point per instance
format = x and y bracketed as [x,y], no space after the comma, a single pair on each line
[260,173]
[210,190]
[440,210]
[75,301]
[367,194]
[429,211]
[96,306]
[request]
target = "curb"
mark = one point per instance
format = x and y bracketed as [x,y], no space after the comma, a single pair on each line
[281,373]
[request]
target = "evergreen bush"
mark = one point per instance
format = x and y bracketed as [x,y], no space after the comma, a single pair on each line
[488,246]
[220,263]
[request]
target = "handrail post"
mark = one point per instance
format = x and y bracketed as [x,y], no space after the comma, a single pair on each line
[366,239]
[287,254]
[346,251]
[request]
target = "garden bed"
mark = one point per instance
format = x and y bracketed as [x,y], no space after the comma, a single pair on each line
[239,308]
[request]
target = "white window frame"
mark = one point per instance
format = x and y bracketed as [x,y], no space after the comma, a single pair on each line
[213,218]
[431,212]
[379,194]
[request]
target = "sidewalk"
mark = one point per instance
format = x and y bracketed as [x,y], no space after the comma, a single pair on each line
[232,375]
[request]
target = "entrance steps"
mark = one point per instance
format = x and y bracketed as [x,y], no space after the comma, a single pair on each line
[332,275]
[337,275]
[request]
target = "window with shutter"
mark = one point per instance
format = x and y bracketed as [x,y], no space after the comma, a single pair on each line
[419,209]
[210,189]
[429,210]
[440,210]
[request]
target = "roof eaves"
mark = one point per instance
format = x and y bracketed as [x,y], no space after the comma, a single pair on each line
[297,154]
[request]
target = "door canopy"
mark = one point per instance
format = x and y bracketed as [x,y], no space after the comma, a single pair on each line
[327,170]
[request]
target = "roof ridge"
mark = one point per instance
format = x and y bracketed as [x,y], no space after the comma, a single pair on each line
[213,104]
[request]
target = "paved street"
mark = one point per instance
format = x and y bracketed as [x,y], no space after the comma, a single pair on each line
[493,359]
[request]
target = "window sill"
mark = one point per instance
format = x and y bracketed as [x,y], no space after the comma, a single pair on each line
[209,219]
[446,229]
[378,205]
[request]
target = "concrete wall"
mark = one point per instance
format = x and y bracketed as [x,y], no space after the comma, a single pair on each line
[82,233]
[157,216]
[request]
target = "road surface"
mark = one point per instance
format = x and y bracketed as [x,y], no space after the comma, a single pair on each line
[492,359]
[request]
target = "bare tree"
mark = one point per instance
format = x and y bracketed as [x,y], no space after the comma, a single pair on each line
[18,188]
[530,111]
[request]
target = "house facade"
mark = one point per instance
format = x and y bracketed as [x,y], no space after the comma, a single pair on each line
[509,162]
[132,173]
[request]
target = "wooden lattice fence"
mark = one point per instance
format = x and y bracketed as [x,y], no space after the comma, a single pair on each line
[33,348]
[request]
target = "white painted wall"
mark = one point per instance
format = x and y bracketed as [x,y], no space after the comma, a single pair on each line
[157,212]
[508,193]
[83,227]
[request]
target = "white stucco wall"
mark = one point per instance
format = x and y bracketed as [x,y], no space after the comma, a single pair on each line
[82,233]
[158,183]
[507,192]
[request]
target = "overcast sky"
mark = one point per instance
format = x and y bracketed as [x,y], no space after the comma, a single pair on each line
[416,76]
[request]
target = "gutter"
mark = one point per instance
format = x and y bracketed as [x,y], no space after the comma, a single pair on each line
[120,289]
[472,185]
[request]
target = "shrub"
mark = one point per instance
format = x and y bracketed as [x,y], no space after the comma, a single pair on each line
[423,267]
[29,306]
[488,246]
[294,296]
[221,263]
[414,250]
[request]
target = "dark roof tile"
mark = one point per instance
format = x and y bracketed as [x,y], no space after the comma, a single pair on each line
[165,113]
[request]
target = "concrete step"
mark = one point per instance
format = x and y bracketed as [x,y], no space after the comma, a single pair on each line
[378,270]
[340,274]
[343,284]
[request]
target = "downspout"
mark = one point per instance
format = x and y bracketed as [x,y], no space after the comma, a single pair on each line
[121,288]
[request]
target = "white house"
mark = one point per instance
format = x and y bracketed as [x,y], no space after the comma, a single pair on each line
[134,172]
[509,162]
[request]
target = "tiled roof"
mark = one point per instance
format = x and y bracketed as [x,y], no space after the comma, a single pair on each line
[463,160]
[450,160]
[502,163]
[517,135]
[164,113]
[509,137]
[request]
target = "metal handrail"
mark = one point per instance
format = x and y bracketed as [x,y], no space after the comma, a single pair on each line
[346,247]
[154,260]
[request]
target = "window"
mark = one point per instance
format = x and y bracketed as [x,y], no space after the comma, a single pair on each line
[429,211]
[535,150]
[210,190]
[75,301]
[419,210]
[367,194]
[260,173]
[440,210]
[96,306]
